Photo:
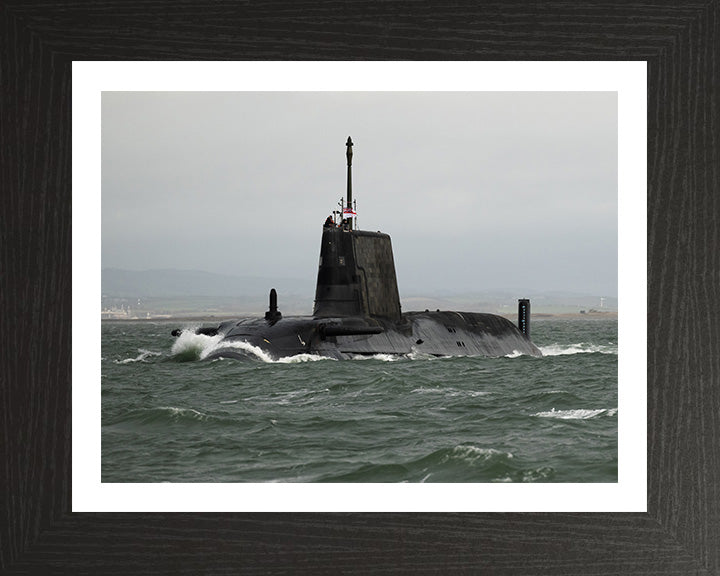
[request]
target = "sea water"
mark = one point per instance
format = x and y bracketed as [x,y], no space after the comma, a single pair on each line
[168,415]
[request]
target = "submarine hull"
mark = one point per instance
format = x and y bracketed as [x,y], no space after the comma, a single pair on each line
[357,309]
[441,333]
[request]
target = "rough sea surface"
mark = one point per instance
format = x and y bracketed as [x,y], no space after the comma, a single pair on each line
[170,416]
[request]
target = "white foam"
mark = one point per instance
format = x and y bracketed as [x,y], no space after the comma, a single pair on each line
[472,454]
[302,358]
[209,344]
[381,357]
[139,358]
[576,414]
[417,355]
[188,341]
[241,345]
[412,355]
[178,412]
[579,348]
[452,393]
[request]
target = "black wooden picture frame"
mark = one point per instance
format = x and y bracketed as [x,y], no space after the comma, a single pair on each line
[680,533]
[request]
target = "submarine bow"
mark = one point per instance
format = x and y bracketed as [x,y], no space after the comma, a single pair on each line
[357,308]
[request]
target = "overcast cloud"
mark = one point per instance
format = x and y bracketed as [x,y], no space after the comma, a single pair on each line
[479,191]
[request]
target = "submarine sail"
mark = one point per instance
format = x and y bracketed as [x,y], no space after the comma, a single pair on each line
[357,309]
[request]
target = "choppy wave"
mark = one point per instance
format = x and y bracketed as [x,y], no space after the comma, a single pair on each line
[563,398]
[170,416]
[579,348]
[190,346]
[464,462]
[141,357]
[540,474]
[577,414]
[450,392]
[474,454]
[160,415]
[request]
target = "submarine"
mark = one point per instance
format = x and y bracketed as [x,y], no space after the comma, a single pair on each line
[357,309]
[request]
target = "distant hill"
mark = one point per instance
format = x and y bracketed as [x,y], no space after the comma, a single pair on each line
[191,291]
[183,283]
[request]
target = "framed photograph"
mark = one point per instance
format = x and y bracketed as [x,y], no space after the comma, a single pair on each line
[43,531]
[532,171]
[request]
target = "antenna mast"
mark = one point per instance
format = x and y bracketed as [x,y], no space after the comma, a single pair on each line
[349,154]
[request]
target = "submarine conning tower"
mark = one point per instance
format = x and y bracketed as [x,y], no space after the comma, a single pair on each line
[356,272]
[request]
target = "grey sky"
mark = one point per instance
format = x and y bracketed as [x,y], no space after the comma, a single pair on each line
[478,190]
